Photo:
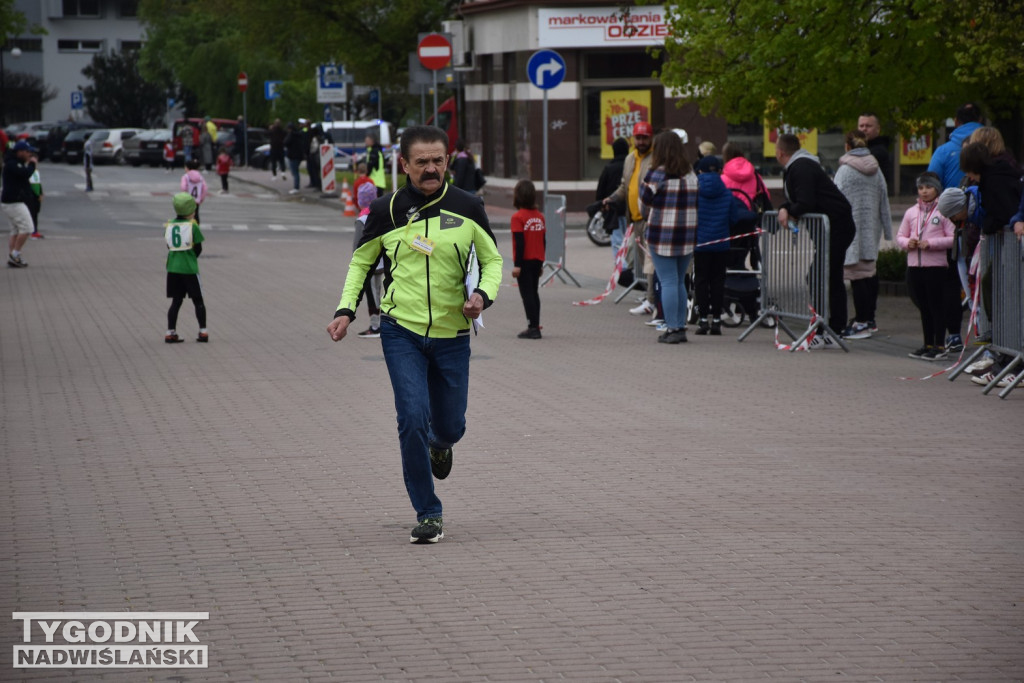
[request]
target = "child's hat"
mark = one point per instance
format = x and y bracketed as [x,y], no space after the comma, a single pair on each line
[366,193]
[184,204]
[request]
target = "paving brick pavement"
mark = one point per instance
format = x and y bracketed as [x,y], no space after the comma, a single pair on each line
[620,510]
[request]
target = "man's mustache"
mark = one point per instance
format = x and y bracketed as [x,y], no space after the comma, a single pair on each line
[431,176]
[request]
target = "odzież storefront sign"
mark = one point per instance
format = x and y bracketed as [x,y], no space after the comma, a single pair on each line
[601,26]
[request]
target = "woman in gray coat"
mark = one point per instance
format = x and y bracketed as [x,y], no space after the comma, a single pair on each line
[206,149]
[860,180]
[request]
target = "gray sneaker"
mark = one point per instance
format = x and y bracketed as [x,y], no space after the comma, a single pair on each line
[441,462]
[427,531]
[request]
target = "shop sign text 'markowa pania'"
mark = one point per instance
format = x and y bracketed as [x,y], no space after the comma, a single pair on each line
[601,26]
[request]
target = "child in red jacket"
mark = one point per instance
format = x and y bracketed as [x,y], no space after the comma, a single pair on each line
[528,243]
[223,168]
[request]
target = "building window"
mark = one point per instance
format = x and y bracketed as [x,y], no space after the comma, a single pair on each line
[129,8]
[81,8]
[25,44]
[632,65]
[134,45]
[80,45]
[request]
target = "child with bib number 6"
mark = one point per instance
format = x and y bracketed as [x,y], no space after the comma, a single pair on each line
[184,244]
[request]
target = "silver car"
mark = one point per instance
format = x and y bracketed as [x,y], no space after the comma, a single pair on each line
[108,144]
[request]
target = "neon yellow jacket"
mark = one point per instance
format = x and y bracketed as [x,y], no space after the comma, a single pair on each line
[425,294]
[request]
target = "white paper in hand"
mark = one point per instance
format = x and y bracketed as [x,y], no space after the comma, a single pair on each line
[472,280]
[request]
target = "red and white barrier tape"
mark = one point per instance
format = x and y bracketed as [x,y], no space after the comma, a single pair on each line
[805,345]
[620,258]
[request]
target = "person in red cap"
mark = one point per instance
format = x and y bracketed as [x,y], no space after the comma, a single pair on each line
[633,171]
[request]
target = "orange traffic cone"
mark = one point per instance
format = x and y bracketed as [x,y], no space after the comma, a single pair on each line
[346,194]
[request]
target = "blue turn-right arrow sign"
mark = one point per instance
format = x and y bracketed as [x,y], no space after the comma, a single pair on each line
[546,69]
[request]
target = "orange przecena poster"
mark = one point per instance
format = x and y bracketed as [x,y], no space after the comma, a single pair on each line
[620,110]
[808,138]
[916,150]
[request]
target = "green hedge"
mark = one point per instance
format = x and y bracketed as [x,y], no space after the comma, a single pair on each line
[892,265]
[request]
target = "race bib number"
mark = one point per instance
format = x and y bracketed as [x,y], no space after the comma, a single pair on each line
[178,236]
[423,245]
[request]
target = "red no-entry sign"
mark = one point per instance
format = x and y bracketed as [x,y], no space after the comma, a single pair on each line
[243,81]
[434,52]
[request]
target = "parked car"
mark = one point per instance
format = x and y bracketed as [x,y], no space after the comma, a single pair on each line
[55,138]
[151,149]
[191,127]
[108,144]
[254,136]
[36,134]
[73,145]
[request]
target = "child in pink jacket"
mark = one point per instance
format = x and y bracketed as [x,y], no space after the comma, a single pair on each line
[926,235]
[194,183]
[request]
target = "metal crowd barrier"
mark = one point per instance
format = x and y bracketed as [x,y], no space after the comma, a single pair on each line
[794,276]
[635,259]
[554,222]
[1005,252]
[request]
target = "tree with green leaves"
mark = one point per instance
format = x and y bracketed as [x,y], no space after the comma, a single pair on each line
[21,92]
[819,63]
[118,95]
[204,44]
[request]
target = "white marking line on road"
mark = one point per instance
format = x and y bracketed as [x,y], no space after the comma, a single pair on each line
[285,239]
[278,227]
[316,228]
[239,226]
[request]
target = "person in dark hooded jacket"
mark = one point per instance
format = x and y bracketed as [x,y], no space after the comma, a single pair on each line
[718,209]
[609,181]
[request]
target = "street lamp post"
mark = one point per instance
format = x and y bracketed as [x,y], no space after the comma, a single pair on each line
[15,52]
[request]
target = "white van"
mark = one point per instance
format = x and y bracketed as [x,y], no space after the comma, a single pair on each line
[350,138]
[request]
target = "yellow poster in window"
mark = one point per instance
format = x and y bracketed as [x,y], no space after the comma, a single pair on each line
[808,137]
[916,150]
[620,110]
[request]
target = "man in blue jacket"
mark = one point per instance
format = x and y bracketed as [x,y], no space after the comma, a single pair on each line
[946,159]
[19,165]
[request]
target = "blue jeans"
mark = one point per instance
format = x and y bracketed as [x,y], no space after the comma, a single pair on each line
[430,378]
[618,235]
[293,164]
[671,271]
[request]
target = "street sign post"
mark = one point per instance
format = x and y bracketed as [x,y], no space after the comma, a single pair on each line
[331,84]
[546,70]
[435,53]
[243,85]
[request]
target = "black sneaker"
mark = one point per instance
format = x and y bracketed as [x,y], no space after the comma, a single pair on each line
[15,261]
[530,333]
[372,333]
[173,338]
[673,336]
[716,327]
[203,337]
[441,462]
[954,343]
[702,327]
[920,353]
[934,353]
[427,531]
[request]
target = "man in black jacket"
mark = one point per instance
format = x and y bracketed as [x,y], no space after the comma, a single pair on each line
[809,190]
[878,145]
[19,165]
[611,177]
